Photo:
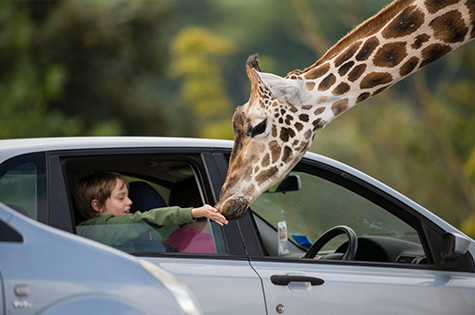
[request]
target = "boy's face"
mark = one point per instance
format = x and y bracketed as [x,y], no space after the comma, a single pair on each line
[118,203]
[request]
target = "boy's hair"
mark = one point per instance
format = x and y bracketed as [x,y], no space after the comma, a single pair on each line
[98,185]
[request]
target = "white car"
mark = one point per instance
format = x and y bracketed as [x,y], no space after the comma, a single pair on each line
[328,239]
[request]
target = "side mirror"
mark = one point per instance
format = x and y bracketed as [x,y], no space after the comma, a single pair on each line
[453,246]
[289,183]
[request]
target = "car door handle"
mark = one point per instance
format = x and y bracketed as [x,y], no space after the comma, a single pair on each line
[286,279]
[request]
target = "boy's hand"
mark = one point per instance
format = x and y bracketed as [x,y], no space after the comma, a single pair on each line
[209,212]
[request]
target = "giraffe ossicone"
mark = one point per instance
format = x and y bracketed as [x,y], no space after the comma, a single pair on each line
[275,128]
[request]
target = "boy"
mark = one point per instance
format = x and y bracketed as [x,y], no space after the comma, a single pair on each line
[102,199]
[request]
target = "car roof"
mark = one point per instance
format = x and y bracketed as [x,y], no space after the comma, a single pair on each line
[13,147]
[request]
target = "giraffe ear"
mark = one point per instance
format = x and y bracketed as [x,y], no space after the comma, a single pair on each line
[281,87]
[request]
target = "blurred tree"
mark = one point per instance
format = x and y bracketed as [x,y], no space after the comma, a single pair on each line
[194,55]
[83,67]
[27,88]
[112,51]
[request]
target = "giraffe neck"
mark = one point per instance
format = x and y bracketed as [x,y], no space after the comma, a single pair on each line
[401,39]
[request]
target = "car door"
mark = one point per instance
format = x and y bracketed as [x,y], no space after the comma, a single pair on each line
[222,280]
[396,269]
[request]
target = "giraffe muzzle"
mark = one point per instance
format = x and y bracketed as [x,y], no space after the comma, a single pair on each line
[234,207]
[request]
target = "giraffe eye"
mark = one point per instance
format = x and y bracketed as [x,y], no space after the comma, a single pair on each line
[260,128]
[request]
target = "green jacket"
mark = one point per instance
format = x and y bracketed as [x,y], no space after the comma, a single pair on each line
[120,231]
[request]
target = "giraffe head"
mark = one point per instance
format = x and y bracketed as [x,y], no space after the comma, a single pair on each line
[271,134]
[275,128]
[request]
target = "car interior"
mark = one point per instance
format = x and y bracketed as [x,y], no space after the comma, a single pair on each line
[154,183]
[331,244]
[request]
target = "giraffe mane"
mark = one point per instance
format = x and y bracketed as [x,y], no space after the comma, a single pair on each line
[368,27]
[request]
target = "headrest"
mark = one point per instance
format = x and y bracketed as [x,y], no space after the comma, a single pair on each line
[144,197]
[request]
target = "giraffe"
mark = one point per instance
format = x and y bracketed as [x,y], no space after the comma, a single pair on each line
[276,127]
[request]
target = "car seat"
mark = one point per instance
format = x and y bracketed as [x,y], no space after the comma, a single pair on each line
[144,197]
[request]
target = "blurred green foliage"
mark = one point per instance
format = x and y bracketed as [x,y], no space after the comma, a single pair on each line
[202,90]
[176,68]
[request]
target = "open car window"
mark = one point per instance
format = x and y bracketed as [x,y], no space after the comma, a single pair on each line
[155,182]
[291,217]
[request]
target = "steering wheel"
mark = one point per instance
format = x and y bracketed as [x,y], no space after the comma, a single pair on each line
[329,235]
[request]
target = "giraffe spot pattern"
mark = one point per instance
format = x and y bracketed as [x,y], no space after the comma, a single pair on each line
[347,54]
[265,160]
[362,97]
[274,131]
[317,72]
[307,134]
[275,150]
[318,124]
[356,72]
[420,40]
[341,88]
[307,107]
[408,66]
[288,119]
[367,49]
[310,85]
[286,154]
[374,79]
[322,99]
[298,126]
[327,82]
[449,27]
[265,175]
[340,106]
[434,52]
[390,55]
[286,134]
[345,68]
[407,22]
[319,110]
[303,117]
[436,5]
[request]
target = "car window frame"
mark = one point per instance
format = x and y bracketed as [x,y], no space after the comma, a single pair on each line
[39,160]
[429,232]
[205,169]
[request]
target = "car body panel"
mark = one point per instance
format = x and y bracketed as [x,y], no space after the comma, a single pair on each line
[367,289]
[238,279]
[223,286]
